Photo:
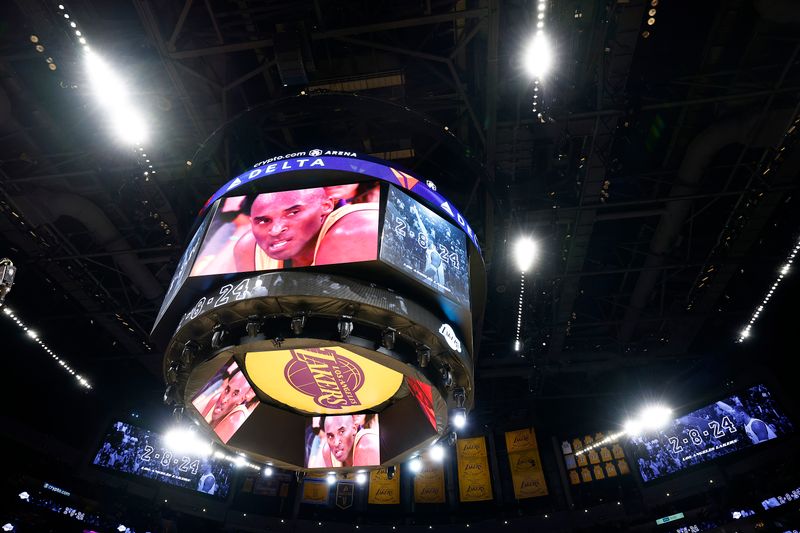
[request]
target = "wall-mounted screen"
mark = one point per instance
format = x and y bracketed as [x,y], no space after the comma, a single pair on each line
[289,229]
[131,449]
[334,441]
[425,246]
[226,401]
[733,423]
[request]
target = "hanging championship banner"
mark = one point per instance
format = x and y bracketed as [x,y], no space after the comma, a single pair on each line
[526,466]
[345,492]
[382,490]
[474,483]
[315,491]
[429,483]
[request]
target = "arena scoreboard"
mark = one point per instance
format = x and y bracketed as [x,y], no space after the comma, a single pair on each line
[324,313]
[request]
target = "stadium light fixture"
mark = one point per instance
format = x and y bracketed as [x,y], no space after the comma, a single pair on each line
[437,452]
[121,528]
[183,439]
[415,464]
[24,496]
[331,478]
[361,477]
[633,427]
[459,417]
[655,417]
[538,58]
[525,251]
[267,471]
[112,94]
[8,526]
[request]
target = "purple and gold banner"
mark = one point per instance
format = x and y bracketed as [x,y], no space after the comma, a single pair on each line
[382,490]
[429,483]
[315,491]
[474,481]
[526,465]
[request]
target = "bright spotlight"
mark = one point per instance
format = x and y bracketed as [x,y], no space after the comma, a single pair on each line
[361,478]
[437,452]
[459,417]
[525,253]
[112,94]
[517,345]
[538,57]
[32,334]
[239,461]
[633,427]
[331,478]
[185,440]
[655,417]
[8,526]
[121,527]
[745,333]
[415,464]
[267,471]
[24,496]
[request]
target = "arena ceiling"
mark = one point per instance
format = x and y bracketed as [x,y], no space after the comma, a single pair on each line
[658,171]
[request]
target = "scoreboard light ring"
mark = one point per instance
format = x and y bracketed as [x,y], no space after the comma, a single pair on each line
[371,310]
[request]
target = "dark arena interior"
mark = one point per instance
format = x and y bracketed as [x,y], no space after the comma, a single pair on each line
[399,266]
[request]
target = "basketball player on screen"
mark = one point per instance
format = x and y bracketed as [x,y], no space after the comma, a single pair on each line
[302,228]
[434,266]
[349,443]
[757,430]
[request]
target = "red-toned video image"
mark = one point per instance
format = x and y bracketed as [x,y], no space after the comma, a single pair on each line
[422,392]
[334,441]
[290,229]
[226,401]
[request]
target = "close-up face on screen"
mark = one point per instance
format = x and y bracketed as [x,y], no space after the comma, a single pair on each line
[342,441]
[226,400]
[290,229]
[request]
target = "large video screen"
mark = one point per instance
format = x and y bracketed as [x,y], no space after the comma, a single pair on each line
[734,423]
[334,441]
[290,229]
[226,401]
[131,449]
[421,243]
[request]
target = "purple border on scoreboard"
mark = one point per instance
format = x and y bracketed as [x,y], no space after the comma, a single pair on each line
[348,164]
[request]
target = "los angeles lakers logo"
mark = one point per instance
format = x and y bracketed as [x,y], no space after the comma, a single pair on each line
[322,380]
[330,379]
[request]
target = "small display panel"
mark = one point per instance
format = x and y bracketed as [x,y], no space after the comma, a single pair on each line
[334,441]
[289,229]
[226,401]
[427,247]
[734,423]
[131,449]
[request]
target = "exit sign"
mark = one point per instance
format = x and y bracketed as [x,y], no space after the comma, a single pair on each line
[670,518]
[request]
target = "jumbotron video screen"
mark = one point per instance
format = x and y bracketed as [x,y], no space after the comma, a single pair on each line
[289,229]
[740,421]
[427,247]
[134,450]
